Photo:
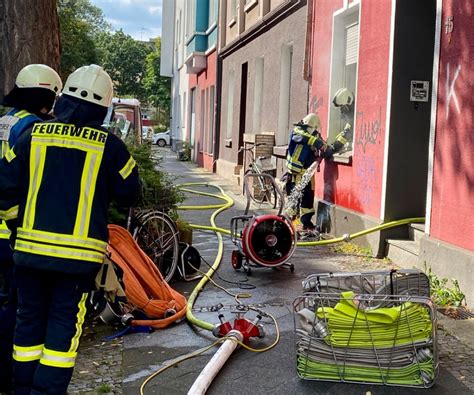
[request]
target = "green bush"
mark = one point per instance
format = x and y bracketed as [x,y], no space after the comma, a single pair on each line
[158,190]
[160,128]
[442,295]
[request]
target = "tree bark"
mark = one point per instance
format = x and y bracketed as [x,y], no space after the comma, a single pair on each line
[29,33]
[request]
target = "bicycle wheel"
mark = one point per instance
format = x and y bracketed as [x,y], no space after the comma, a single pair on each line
[261,189]
[157,236]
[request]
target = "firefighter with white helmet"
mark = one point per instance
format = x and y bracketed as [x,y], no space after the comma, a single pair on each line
[31,99]
[58,181]
[307,146]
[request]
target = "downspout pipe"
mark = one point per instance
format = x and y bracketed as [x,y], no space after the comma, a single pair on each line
[308,53]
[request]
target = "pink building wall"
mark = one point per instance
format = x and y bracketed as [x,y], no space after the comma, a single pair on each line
[452,207]
[202,81]
[357,186]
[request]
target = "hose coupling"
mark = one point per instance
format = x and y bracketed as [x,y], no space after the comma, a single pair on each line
[346,237]
[127,319]
[169,313]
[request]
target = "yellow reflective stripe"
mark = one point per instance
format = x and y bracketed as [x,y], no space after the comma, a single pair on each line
[89,136]
[37,159]
[311,140]
[58,359]
[341,139]
[27,354]
[59,252]
[21,114]
[59,238]
[11,213]
[127,169]
[10,155]
[5,148]
[88,184]
[4,231]
[80,320]
[67,142]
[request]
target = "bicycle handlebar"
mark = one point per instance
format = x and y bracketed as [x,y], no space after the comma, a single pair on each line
[250,148]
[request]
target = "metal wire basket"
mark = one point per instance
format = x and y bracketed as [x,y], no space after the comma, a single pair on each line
[351,328]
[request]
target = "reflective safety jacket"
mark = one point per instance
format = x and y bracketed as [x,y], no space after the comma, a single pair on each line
[12,125]
[58,181]
[303,148]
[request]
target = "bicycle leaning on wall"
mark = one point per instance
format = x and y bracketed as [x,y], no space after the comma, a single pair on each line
[260,189]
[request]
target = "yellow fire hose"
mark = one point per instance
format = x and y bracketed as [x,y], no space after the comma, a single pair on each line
[227,203]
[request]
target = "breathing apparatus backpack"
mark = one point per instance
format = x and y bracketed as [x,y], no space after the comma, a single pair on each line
[149,300]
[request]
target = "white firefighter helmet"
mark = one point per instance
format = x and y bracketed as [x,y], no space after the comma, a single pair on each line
[39,76]
[343,97]
[312,121]
[92,84]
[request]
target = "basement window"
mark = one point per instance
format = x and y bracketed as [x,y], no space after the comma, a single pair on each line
[345,54]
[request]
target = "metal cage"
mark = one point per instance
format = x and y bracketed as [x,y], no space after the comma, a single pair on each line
[373,327]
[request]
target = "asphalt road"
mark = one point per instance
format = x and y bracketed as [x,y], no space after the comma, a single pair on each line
[272,372]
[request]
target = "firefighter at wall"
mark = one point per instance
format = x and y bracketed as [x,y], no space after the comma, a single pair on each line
[58,181]
[306,146]
[30,101]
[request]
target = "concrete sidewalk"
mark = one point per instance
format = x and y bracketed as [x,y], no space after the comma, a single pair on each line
[274,291]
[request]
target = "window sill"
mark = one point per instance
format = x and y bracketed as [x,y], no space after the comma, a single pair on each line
[250,5]
[280,151]
[345,158]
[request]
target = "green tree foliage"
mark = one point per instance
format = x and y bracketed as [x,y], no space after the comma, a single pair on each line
[125,60]
[158,88]
[158,189]
[80,23]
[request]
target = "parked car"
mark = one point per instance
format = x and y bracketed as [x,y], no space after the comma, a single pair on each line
[147,133]
[162,139]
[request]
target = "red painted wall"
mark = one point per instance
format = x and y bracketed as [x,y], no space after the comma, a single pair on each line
[357,186]
[202,81]
[452,208]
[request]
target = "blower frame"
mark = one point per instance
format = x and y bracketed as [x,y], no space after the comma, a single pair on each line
[244,230]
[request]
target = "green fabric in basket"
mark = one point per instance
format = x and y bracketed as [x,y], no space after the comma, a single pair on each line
[407,375]
[350,326]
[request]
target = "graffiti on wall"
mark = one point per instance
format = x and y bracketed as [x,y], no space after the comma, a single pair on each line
[315,104]
[369,129]
[450,89]
[365,174]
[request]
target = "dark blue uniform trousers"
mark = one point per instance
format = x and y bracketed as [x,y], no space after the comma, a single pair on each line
[51,311]
[306,203]
[8,305]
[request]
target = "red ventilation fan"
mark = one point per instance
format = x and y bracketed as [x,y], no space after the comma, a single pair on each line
[266,240]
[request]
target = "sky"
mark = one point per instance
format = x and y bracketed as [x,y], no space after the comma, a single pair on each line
[141,19]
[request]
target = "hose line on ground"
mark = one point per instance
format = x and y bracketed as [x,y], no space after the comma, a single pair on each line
[228,202]
[349,237]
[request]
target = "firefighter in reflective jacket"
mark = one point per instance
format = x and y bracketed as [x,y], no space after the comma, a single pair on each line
[31,99]
[305,147]
[58,181]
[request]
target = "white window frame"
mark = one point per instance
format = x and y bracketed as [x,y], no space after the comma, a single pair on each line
[230,104]
[258,94]
[342,18]
[210,143]
[284,102]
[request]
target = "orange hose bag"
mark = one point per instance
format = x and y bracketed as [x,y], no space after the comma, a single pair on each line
[145,288]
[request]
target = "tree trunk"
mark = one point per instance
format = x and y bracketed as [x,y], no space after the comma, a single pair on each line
[29,33]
